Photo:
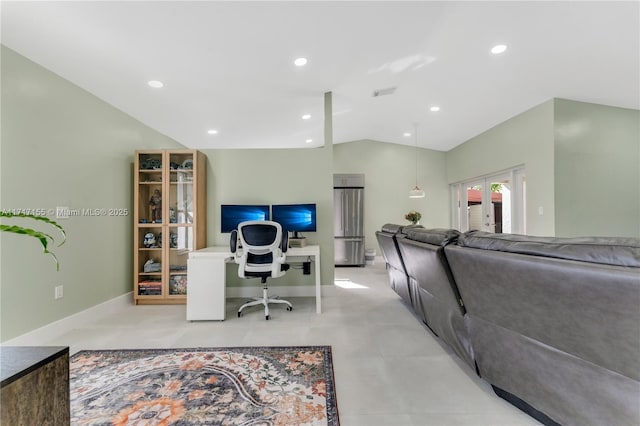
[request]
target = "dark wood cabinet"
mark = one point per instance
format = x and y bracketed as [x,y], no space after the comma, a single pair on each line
[35,385]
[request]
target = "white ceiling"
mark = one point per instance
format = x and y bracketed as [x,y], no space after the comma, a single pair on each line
[229,65]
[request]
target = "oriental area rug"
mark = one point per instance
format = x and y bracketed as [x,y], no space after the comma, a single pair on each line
[212,386]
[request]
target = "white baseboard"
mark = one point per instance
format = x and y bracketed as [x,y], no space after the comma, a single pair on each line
[45,333]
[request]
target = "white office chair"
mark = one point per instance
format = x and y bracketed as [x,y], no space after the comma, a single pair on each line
[259,248]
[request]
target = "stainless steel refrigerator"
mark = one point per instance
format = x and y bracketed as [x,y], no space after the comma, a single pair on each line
[348,204]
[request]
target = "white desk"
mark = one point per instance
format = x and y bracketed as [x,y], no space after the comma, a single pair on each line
[313,252]
[206,271]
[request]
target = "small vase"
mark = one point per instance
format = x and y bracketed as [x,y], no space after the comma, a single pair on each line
[415,222]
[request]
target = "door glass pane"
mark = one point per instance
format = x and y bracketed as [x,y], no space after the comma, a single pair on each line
[500,208]
[474,207]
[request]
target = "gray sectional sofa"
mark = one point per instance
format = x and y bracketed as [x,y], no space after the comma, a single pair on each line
[552,323]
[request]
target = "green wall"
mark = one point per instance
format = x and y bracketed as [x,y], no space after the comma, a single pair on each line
[389,171]
[582,166]
[273,176]
[597,170]
[62,146]
[526,139]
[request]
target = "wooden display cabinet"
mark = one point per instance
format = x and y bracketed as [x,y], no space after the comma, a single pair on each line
[170,222]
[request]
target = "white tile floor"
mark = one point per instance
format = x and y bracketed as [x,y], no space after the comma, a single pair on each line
[389,369]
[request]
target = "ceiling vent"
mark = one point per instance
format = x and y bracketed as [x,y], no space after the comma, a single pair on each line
[384,92]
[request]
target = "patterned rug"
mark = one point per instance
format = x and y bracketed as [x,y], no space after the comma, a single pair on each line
[212,386]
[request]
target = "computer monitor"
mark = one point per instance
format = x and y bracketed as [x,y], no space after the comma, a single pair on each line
[295,217]
[232,214]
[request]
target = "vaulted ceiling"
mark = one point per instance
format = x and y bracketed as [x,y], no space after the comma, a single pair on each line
[229,66]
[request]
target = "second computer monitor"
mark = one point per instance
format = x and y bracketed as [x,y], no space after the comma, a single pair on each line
[295,217]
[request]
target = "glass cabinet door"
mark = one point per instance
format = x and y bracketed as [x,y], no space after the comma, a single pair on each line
[149,267]
[181,189]
[181,245]
[150,188]
[181,215]
[149,218]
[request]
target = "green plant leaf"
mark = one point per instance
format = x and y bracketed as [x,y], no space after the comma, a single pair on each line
[41,219]
[43,237]
[40,236]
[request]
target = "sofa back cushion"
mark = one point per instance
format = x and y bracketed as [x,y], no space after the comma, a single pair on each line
[437,237]
[391,228]
[389,247]
[618,251]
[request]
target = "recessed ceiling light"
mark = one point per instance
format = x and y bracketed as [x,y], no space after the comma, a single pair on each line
[155,84]
[498,49]
[434,108]
[306,116]
[406,134]
[212,131]
[300,62]
[309,140]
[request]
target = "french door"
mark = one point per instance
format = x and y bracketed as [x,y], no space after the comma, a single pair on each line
[492,203]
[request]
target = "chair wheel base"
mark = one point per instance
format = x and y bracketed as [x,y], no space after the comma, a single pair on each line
[265,301]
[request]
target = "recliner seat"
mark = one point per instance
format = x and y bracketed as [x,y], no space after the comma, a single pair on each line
[555,322]
[398,278]
[434,292]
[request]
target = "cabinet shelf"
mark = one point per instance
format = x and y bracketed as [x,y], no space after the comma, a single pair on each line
[177,198]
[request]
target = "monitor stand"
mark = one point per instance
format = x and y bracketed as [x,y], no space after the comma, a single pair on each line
[297,240]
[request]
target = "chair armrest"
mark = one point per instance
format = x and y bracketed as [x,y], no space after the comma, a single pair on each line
[284,243]
[233,241]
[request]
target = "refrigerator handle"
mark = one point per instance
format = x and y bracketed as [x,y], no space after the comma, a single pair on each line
[344,196]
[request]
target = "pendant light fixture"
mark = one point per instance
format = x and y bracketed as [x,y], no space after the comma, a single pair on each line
[416,192]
